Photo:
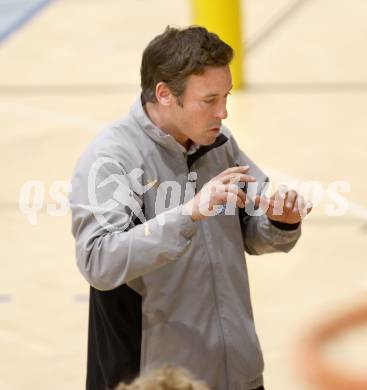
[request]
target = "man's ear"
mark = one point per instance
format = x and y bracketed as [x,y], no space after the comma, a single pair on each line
[163,94]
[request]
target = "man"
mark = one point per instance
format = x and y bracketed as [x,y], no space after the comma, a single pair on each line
[161,226]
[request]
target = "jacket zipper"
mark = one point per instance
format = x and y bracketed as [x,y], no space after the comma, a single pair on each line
[217,307]
[222,338]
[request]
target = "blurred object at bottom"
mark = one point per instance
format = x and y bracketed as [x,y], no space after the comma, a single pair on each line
[314,368]
[165,378]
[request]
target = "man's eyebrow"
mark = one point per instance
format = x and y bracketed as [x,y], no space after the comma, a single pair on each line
[217,94]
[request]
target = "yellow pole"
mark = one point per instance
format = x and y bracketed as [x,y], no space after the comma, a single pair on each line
[223,17]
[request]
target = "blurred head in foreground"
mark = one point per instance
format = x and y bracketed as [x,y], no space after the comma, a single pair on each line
[167,378]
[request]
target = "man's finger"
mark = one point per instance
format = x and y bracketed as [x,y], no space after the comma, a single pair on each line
[264,203]
[290,200]
[228,171]
[227,197]
[309,207]
[237,178]
[237,191]
[305,209]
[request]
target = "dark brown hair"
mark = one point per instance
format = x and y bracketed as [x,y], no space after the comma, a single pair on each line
[176,54]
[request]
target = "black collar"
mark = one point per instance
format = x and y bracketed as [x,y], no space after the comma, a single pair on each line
[191,158]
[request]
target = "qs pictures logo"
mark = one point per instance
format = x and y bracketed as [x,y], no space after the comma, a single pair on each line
[114,194]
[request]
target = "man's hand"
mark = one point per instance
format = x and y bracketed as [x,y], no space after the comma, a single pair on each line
[218,191]
[286,207]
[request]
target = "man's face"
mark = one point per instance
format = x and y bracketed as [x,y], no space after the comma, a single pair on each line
[203,105]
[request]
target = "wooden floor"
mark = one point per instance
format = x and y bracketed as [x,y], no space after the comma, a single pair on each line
[75,67]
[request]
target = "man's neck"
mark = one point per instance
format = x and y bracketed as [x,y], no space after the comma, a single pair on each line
[154,114]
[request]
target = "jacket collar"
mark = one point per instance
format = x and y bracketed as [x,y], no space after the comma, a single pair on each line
[166,140]
[204,149]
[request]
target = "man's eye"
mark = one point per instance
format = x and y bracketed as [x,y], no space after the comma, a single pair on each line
[208,101]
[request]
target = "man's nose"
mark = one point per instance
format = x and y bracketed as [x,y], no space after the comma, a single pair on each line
[222,112]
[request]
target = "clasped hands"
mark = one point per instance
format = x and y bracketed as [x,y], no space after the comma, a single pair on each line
[283,206]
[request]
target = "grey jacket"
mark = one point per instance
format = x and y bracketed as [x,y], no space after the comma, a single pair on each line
[129,228]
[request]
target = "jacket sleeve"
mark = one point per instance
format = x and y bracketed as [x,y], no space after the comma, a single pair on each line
[111,249]
[260,235]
